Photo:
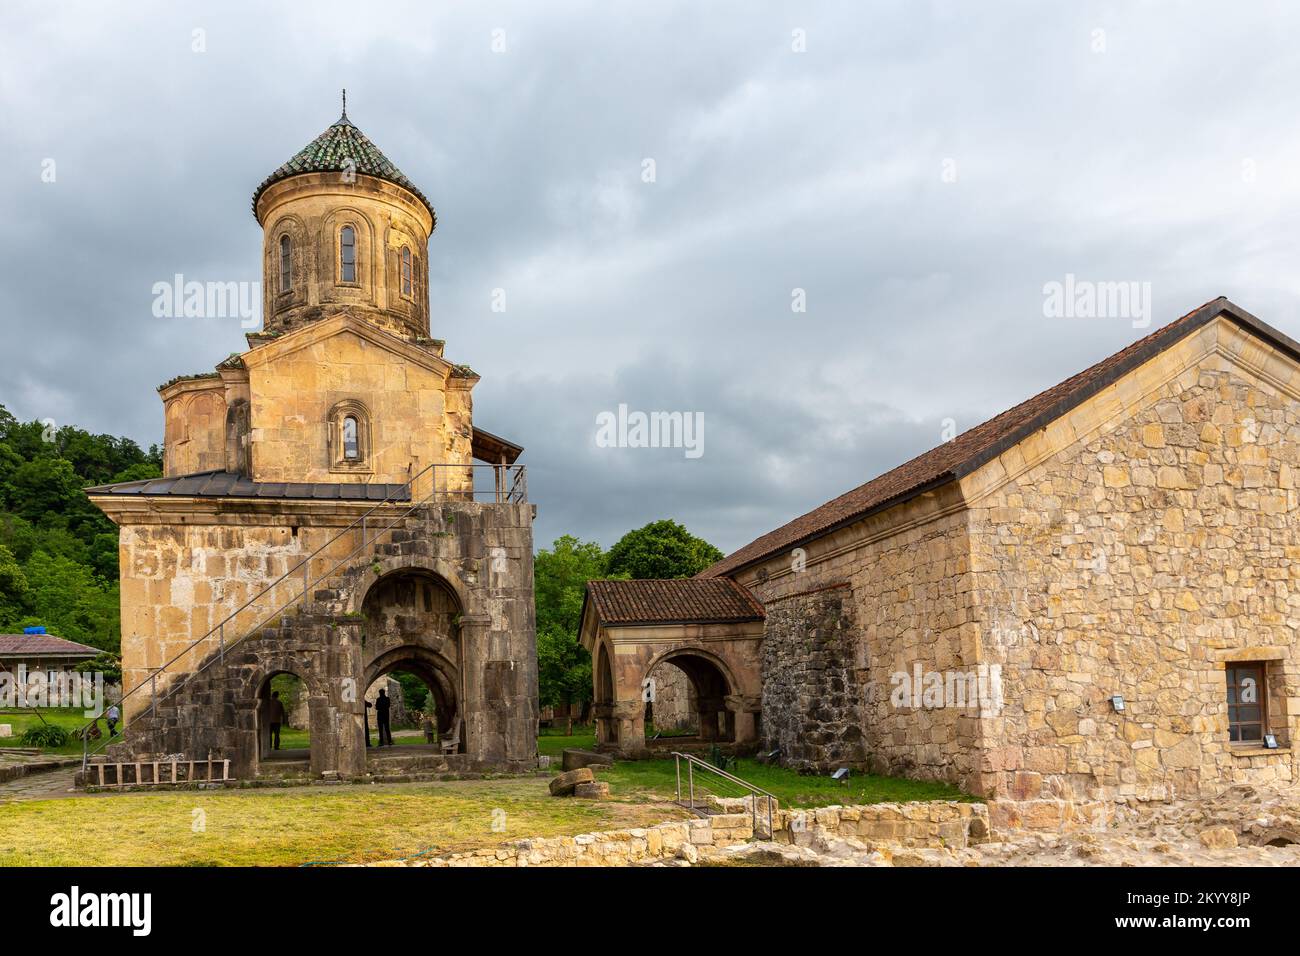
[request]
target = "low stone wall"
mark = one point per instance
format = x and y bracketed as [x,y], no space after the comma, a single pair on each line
[934,824]
[1051,815]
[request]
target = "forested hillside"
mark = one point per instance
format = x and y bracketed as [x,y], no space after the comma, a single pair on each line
[58,553]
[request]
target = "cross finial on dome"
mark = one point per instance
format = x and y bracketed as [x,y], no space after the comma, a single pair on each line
[345,103]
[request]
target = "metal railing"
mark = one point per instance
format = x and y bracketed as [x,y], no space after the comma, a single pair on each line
[756,795]
[510,486]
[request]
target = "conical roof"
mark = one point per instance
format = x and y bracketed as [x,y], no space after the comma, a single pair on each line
[330,151]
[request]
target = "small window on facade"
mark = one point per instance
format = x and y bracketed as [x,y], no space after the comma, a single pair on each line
[286,264]
[1247,703]
[348,254]
[406,271]
[351,447]
[347,435]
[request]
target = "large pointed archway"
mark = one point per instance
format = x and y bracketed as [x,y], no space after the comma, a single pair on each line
[411,625]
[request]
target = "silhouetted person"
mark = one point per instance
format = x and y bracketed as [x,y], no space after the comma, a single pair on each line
[275,717]
[382,704]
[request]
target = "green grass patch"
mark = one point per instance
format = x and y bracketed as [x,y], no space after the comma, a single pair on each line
[553,745]
[298,826]
[656,780]
[69,719]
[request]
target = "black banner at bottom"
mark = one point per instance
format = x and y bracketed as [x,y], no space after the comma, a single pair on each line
[329,904]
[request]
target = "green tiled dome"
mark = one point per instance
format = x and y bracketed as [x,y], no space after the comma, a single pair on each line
[331,149]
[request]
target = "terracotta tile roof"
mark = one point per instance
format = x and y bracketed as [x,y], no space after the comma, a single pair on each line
[971,449]
[226,484]
[42,645]
[328,152]
[675,601]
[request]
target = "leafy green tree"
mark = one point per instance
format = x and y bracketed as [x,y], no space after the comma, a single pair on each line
[107,663]
[49,526]
[14,592]
[662,549]
[43,489]
[17,535]
[413,689]
[71,602]
[560,578]
[140,471]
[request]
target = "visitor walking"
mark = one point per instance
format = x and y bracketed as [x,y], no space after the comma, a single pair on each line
[382,704]
[275,717]
[112,716]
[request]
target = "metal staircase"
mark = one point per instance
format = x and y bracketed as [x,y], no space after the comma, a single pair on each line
[714,782]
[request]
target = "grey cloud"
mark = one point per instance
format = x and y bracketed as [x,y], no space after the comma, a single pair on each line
[775,170]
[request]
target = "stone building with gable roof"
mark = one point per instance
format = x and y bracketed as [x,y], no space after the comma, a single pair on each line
[1112,568]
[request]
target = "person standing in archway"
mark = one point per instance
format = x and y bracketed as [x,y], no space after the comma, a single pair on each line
[275,717]
[382,704]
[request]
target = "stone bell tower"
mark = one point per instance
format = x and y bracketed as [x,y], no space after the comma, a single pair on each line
[328,508]
[344,229]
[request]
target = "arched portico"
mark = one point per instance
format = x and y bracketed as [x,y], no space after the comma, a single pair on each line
[719,653]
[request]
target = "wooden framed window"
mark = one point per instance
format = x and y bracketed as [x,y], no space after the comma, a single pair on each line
[286,264]
[348,254]
[406,271]
[1247,703]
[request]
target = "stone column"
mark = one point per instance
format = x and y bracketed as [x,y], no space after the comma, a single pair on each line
[630,717]
[473,705]
[708,709]
[606,728]
[744,711]
[343,705]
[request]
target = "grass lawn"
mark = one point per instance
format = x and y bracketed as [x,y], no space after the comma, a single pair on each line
[657,780]
[354,824]
[70,719]
[553,745]
[299,825]
[292,739]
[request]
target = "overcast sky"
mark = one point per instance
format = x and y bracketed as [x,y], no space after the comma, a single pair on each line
[920,170]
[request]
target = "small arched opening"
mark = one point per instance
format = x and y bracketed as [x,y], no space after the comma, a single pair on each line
[283,718]
[1280,838]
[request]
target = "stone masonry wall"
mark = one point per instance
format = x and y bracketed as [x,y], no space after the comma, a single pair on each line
[909,601]
[812,698]
[1139,563]
[674,706]
[176,580]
